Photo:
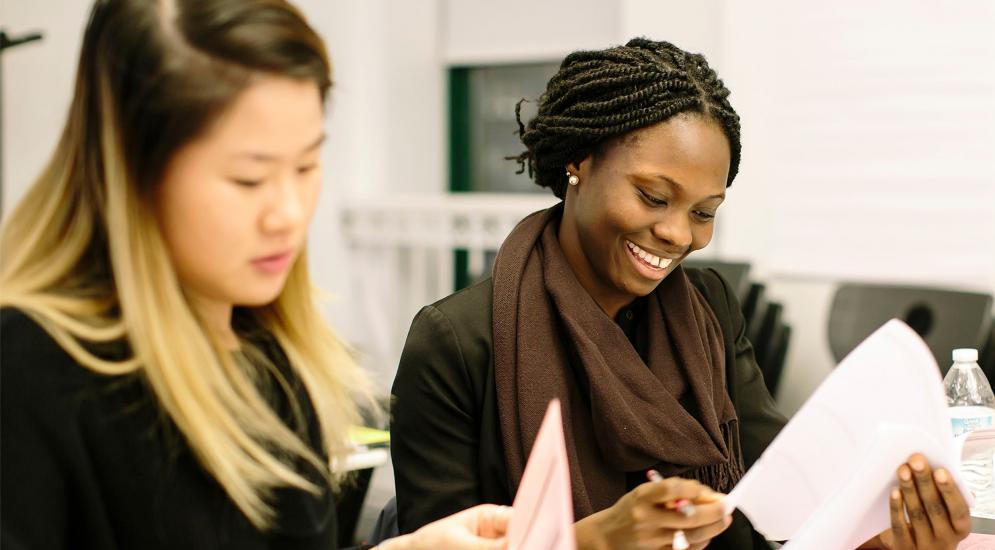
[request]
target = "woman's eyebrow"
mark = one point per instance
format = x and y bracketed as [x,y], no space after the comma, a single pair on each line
[263,157]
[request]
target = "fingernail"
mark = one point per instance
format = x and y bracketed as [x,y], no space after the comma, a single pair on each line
[941,476]
[918,464]
[904,474]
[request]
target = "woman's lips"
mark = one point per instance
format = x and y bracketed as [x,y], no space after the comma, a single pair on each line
[274,264]
[651,260]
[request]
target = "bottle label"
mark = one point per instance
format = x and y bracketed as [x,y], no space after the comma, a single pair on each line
[966,421]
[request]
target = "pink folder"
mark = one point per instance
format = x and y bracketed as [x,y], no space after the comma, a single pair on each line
[543,516]
[975,541]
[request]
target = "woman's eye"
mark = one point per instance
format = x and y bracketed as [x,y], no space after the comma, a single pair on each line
[704,216]
[653,200]
[306,169]
[247,182]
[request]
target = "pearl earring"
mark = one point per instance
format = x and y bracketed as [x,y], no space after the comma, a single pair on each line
[572,179]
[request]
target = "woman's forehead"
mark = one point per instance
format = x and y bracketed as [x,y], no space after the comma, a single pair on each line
[695,146]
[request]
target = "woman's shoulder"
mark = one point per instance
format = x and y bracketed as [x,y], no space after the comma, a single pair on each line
[452,335]
[476,299]
[23,339]
[713,287]
[32,364]
[469,310]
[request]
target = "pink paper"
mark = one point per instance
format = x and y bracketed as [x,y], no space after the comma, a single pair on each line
[542,518]
[975,541]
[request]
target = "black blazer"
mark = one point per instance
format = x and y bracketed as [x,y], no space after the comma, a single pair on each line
[445,434]
[89,461]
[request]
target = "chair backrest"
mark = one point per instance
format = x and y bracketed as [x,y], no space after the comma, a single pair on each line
[386,525]
[775,365]
[987,359]
[945,319]
[737,274]
[769,339]
[754,309]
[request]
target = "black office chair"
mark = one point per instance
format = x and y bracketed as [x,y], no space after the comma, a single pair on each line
[754,310]
[945,319]
[771,346]
[737,274]
[987,358]
[386,525]
[775,366]
[349,505]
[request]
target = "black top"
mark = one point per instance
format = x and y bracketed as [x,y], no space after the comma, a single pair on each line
[90,461]
[445,433]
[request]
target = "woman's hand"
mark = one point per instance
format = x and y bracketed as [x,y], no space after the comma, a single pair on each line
[640,519]
[482,527]
[938,517]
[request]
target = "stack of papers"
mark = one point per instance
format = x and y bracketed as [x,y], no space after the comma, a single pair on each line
[824,481]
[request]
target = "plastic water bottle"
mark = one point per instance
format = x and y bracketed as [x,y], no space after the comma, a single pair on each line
[969,396]
[972,406]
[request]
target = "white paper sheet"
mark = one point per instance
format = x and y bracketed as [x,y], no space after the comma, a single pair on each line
[824,481]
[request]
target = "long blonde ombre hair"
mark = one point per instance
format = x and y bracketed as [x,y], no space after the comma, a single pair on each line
[84,257]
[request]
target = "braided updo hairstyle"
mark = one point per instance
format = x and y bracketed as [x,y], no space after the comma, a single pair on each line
[599,96]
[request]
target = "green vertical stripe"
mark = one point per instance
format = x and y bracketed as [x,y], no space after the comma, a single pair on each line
[460,169]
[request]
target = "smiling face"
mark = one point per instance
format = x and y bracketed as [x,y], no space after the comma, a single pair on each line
[642,206]
[234,204]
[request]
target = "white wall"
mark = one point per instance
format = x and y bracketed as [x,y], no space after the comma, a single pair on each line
[481,31]
[386,128]
[37,86]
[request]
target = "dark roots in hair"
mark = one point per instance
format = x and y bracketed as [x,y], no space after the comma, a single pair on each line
[598,96]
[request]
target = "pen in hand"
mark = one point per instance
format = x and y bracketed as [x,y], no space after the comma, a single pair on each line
[682,505]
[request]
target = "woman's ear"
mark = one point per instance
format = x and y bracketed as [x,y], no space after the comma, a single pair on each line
[580,169]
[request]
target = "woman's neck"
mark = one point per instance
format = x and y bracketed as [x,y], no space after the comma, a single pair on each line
[608,299]
[216,316]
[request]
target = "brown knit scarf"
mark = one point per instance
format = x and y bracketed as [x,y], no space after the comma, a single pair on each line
[620,415]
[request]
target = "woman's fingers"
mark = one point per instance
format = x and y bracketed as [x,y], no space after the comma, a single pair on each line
[492,520]
[708,506]
[922,532]
[707,532]
[653,517]
[665,490]
[927,509]
[960,515]
[698,537]
[929,496]
[899,536]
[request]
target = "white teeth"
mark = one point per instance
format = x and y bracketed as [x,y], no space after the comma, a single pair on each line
[654,261]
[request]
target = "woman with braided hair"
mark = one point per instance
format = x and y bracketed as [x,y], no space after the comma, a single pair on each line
[589,303]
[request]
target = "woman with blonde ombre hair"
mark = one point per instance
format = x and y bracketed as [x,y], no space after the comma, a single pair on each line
[167,381]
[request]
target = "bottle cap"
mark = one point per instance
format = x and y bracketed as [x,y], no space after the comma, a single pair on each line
[965,355]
